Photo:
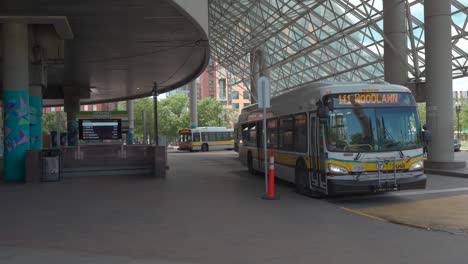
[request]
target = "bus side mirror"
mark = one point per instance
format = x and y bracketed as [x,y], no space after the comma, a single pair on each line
[322,111]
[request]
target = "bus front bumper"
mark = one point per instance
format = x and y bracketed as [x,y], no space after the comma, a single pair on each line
[352,184]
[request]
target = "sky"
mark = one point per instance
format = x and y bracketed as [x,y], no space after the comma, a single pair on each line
[460,84]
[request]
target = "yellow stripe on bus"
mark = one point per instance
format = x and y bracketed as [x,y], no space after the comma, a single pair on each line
[216,143]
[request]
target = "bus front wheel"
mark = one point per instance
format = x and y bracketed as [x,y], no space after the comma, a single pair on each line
[205,148]
[300,178]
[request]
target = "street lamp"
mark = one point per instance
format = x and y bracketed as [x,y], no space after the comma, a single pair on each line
[457,109]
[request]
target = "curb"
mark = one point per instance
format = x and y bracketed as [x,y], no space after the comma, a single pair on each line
[446,173]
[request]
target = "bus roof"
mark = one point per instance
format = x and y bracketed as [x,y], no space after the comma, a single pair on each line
[305,97]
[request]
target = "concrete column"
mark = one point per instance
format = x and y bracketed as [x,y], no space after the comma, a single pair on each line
[72,105]
[35,105]
[395,50]
[439,83]
[131,122]
[193,105]
[15,99]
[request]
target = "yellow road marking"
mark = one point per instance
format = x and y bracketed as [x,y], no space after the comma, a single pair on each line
[363,214]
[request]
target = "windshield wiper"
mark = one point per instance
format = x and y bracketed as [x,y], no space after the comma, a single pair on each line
[358,156]
[395,144]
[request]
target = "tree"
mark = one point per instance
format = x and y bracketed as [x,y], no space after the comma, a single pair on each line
[231,116]
[49,124]
[173,115]
[140,106]
[422,113]
[210,113]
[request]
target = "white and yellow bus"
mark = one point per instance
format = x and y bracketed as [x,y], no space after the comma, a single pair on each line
[206,138]
[339,138]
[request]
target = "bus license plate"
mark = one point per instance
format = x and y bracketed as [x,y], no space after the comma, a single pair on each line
[380,165]
[358,168]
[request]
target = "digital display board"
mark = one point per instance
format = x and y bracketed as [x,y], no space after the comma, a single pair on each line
[370,99]
[97,129]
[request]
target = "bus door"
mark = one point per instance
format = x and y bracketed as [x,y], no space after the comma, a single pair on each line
[322,155]
[314,151]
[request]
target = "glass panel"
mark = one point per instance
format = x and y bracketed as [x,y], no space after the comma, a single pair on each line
[196,137]
[373,129]
[286,139]
[300,133]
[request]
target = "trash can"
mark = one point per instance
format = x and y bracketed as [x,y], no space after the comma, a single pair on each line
[51,165]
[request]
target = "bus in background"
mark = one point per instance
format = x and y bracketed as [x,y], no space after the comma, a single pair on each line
[206,138]
[339,138]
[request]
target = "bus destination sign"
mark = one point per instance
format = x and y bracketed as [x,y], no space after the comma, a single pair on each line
[371,99]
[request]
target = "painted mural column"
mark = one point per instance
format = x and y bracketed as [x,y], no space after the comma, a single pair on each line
[15,99]
[72,105]
[35,106]
[72,129]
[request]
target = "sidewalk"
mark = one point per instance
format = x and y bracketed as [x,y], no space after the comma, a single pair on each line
[462,173]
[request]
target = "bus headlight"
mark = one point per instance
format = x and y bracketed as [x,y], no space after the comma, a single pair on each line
[418,165]
[335,169]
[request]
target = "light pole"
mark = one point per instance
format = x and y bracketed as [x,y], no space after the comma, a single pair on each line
[457,109]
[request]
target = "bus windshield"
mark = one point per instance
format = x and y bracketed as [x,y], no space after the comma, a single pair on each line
[373,129]
[185,138]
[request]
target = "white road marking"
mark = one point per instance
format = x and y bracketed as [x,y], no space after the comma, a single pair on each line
[408,193]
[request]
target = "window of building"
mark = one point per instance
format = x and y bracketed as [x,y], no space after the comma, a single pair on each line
[235,95]
[94,107]
[222,89]
[235,106]
[86,107]
[246,95]
[52,109]
[246,104]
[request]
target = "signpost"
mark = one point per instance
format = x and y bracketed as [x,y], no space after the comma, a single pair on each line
[263,94]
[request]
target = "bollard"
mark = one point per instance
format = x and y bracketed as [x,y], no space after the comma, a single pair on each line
[271,178]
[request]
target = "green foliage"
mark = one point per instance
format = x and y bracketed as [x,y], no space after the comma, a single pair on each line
[49,124]
[422,113]
[210,113]
[231,116]
[140,106]
[173,115]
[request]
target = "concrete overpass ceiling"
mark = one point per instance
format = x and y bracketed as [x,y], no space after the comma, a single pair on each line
[119,48]
[316,40]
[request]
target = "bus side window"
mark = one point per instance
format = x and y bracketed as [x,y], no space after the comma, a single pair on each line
[245,134]
[300,133]
[286,139]
[204,136]
[252,135]
[196,137]
[211,136]
[272,133]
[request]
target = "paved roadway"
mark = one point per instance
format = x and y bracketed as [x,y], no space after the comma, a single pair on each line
[208,211]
